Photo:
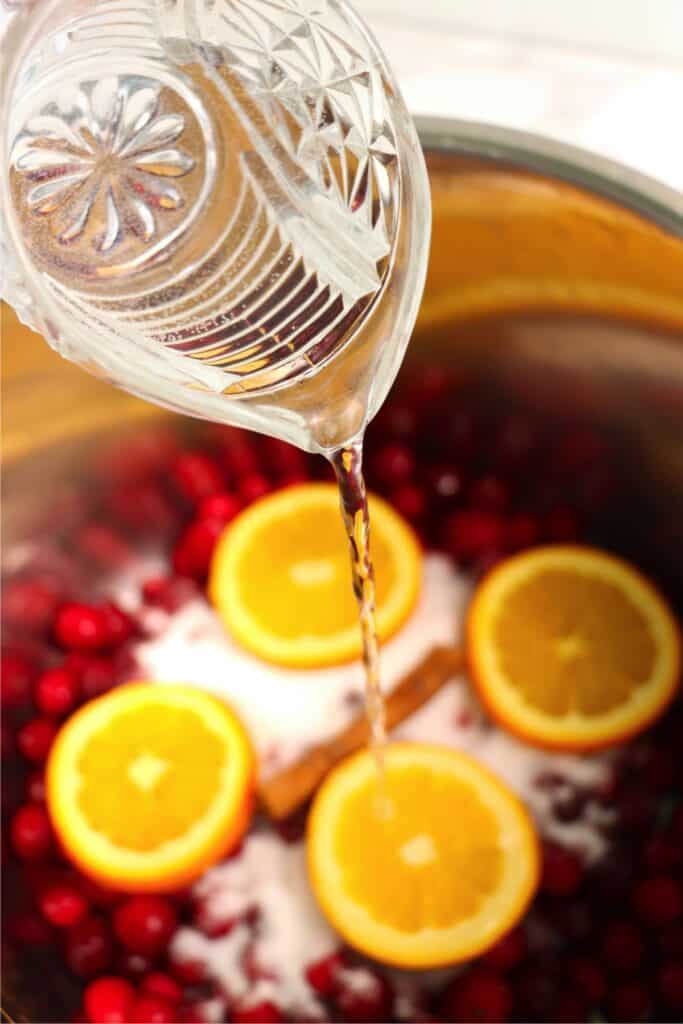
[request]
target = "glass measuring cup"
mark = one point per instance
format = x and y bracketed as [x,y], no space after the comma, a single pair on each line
[219,205]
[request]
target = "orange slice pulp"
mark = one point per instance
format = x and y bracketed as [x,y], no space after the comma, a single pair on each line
[429,871]
[281,580]
[572,648]
[149,785]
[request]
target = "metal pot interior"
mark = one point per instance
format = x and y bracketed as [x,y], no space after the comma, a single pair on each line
[550,290]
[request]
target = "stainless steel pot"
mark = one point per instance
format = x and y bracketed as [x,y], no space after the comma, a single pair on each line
[556,279]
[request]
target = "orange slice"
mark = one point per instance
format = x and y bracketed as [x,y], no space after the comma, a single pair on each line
[149,785]
[281,577]
[572,648]
[429,871]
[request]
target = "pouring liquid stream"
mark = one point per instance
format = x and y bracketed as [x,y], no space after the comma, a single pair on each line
[347,463]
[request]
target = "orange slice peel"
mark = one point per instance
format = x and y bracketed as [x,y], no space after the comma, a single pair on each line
[149,785]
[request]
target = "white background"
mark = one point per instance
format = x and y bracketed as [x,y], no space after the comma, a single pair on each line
[649,28]
[606,75]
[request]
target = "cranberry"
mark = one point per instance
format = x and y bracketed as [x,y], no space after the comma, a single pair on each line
[514,443]
[264,1012]
[16,678]
[660,769]
[658,900]
[569,807]
[28,928]
[461,433]
[537,987]
[143,508]
[8,743]
[622,946]
[196,476]
[88,947]
[104,545]
[151,1009]
[293,479]
[444,485]
[135,457]
[34,739]
[562,871]
[473,534]
[29,604]
[222,506]
[132,965]
[12,792]
[119,626]
[570,1008]
[434,384]
[662,852]
[396,420]
[636,809]
[670,940]
[677,823]
[35,786]
[252,487]
[82,627]
[670,984]
[187,970]
[323,975]
[490,493]
[393,464]
[109,1000]
[62,905]
[561,524]
[191,1013]
[31,832]
[56,691]
[99,673]
[98,895]
[596,489]
[629,1001]
[588,979]
[159,984]
[169,592]
[284,459]
[611,879]
[508,951]
[144,924]
[240,457]
[410,501]
[211,922]
[192,553]
[362,995]
[522,530]
[580,449]
[481,995]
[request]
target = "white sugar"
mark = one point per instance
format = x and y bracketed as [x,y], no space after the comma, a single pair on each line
[286,711]
[289,934]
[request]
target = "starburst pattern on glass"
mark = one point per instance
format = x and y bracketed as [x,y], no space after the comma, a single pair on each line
[323,92]
[103,154]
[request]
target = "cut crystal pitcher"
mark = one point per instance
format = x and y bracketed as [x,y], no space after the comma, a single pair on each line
[219,205]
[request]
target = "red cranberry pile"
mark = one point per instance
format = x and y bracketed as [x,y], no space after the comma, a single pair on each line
[604,943]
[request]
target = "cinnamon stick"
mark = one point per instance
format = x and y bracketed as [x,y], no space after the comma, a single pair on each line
[285,792]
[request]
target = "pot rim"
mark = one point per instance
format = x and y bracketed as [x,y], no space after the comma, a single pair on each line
[528,151]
